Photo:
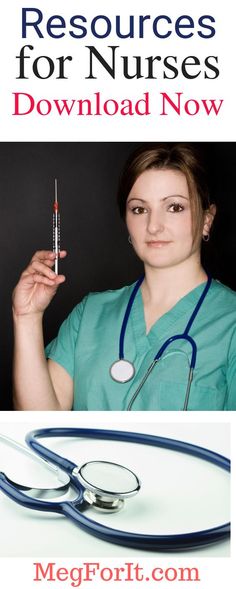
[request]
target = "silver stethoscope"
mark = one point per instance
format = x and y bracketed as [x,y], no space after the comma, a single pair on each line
[104,486]
[123,370]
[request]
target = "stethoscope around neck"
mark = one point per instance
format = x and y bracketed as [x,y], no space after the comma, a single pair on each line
[104,486]
[123,370]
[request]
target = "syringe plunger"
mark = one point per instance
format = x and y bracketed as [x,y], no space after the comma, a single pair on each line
[56,228]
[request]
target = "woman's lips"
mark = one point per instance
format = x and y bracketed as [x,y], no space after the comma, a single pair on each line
[157,243]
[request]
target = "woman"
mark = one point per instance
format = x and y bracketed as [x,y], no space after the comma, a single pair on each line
[93,364]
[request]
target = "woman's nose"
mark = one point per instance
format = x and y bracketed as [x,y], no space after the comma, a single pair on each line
[155,222]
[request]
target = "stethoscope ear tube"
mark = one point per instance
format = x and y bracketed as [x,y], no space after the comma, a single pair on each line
[119,436]
[63,478]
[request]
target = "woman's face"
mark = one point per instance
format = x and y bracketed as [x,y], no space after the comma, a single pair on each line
[159,219]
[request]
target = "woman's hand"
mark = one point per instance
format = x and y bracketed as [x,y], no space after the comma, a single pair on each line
[37,285]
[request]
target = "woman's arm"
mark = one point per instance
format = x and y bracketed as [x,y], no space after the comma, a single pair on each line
[37,385]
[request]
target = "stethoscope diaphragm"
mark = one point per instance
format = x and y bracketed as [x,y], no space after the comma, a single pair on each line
[107,484]
[122,370]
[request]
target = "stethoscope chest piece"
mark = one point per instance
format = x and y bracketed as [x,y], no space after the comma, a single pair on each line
[106,484]
[122,370]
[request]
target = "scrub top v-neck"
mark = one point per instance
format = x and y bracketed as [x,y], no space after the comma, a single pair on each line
[88,343]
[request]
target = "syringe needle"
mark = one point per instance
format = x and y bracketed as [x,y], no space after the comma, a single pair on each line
[55,190]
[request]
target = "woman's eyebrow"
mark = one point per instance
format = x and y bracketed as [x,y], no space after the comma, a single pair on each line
[162,199]
[136,198]
[174,196]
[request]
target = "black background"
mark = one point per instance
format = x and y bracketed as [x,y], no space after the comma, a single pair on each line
[99,256]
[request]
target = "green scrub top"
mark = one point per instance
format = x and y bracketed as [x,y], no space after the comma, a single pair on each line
[88,343]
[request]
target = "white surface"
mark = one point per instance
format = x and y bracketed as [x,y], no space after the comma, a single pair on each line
[178,494]
[213,572]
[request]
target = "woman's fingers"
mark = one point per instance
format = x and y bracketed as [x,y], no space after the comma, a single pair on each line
[41,268]
[48,254]
[38,284]
[62,254]
[42,262]
[39,279]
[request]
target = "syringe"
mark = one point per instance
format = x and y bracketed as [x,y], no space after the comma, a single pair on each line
[56,228]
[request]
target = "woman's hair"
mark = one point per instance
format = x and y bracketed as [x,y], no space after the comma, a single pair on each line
[163,156]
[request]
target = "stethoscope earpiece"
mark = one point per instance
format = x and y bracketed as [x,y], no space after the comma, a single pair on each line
[106,484]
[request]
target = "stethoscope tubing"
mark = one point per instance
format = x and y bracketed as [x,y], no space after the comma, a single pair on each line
[146,541]
[72,509]
[126,316]
[174,542]
[184,336]
[13,491]
[63,481]
[122,436]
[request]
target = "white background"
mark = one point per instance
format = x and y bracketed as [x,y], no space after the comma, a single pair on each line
[27,533]
[215,572]
[178,493]
[152,127]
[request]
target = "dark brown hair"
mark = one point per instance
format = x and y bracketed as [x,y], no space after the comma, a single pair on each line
[163,156]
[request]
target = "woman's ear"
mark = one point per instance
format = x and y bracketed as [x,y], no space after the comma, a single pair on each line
[209,216]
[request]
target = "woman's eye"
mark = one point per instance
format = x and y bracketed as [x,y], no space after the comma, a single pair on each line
[139,210]
[175,207]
